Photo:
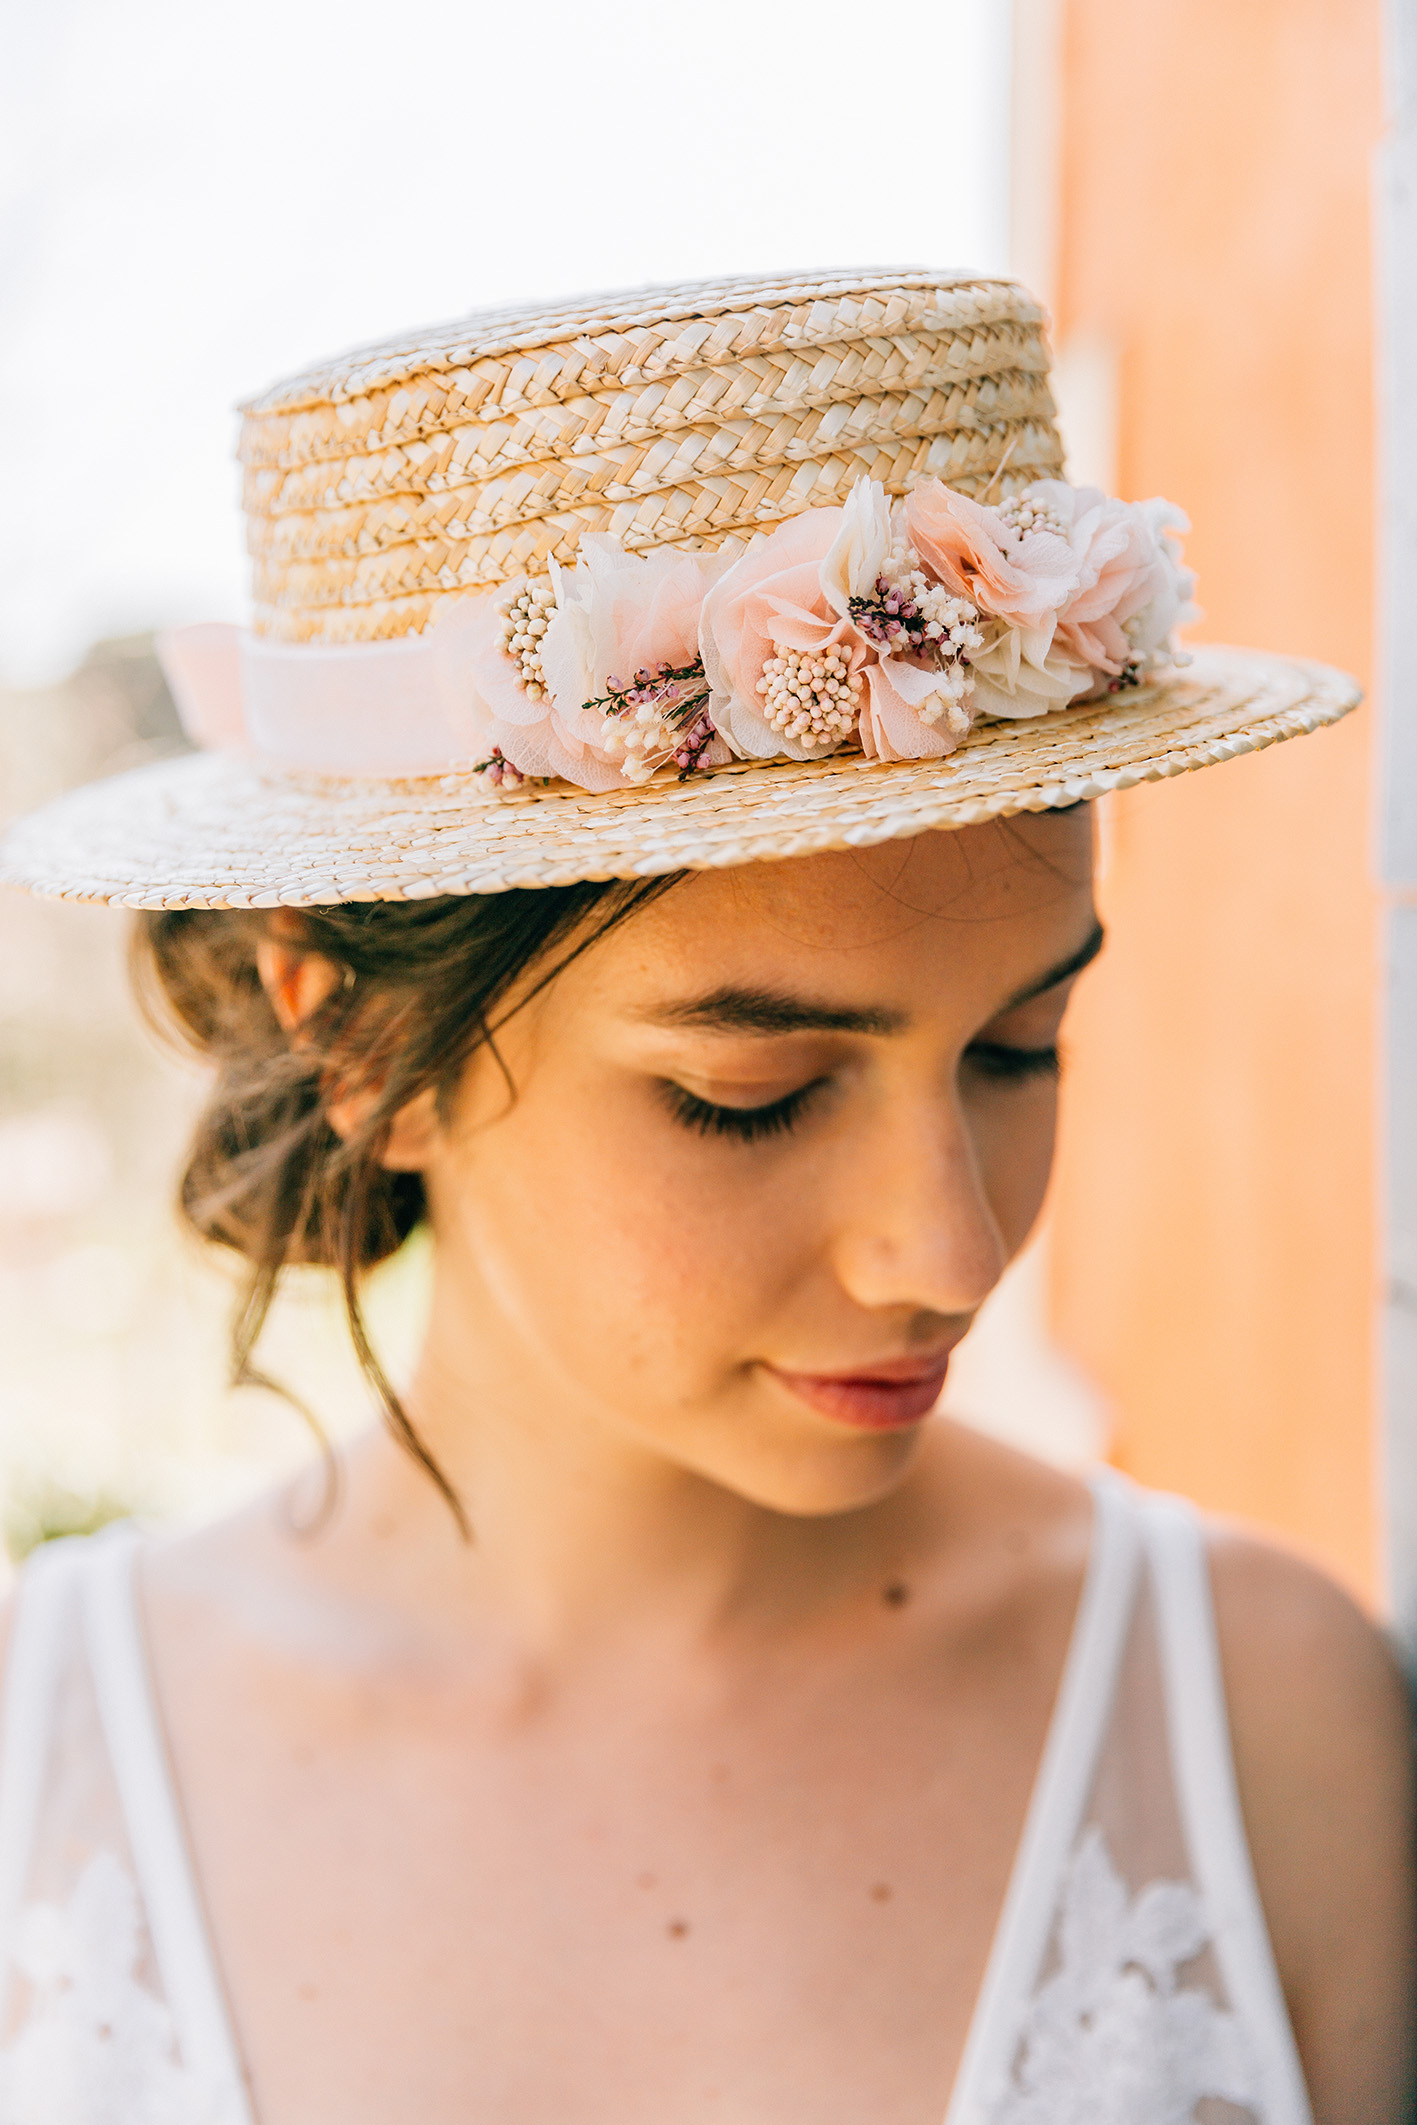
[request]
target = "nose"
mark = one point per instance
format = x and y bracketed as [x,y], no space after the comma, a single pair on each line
[917,1229]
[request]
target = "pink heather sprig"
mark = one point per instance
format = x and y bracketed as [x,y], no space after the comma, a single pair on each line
[697,738]
[661,716]
[496,772]
[890,618]
[908,615]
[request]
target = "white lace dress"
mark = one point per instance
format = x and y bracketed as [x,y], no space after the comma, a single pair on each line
[1130,1982]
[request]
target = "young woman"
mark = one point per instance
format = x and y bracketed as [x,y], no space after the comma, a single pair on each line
[675,1719]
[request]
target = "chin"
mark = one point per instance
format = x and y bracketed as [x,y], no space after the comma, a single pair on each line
[816,1481]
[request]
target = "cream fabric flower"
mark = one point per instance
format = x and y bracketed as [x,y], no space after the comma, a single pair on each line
[860,549]
[623,623]
[1172,604]
[1131,588]
[524,726]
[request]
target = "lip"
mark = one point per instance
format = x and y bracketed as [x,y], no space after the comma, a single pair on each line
[889,1396]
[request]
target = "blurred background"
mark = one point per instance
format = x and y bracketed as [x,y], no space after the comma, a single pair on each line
[1216,205]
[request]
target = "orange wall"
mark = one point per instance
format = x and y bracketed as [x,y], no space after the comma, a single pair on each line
[1214,1258]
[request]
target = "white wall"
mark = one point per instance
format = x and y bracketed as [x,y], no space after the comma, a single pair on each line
[196,199]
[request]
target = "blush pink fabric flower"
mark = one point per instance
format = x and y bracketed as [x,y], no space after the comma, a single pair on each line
[768,608]
[894,724]
[620,612]
[977,553]
[1020,575]
[793,672]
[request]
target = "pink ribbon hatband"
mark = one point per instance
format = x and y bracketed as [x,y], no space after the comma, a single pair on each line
[406,707]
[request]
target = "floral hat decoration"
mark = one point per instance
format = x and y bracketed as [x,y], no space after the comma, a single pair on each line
[696,576]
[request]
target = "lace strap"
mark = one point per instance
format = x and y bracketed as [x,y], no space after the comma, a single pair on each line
[156,1833]
[32,1666]
[1204,1770]
[1060,1792]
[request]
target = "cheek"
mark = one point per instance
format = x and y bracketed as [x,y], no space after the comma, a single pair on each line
[623,1245]
[1013,1139]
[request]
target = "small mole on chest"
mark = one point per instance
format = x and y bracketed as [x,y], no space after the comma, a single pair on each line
[896,1594]
[677,1928]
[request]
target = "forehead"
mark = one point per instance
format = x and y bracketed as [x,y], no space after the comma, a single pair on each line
[980,911]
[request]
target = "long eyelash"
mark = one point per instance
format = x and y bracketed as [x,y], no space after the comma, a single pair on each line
[747,1125]
[995,1059]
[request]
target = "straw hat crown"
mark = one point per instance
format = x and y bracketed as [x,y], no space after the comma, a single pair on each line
[682,416]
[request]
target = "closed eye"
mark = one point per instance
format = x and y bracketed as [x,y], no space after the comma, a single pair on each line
[747,1125]
[996,1060]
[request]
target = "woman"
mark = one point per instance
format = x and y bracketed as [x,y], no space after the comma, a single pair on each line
[674,1719]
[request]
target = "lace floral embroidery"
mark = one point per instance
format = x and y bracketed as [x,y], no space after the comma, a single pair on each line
[97,2048]
[1113,2036]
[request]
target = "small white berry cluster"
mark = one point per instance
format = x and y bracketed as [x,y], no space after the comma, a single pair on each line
[812,696]
[950,701]
[525,619]
[637,743]
[1025,513]
[910,614]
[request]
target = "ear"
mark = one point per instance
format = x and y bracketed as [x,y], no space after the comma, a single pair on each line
[412,1133]
[297,983]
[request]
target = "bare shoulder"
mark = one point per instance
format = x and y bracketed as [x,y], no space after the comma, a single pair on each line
[1312,1681]
[1321,1723]
[1320,1714]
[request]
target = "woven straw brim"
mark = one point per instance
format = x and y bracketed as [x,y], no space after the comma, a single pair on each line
[217,831]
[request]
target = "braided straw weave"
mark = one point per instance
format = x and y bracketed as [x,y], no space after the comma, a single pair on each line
[684,416]
[216,832]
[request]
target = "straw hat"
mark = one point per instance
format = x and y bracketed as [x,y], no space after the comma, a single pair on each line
[399,498]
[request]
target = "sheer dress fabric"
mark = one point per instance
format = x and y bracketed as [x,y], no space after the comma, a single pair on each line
[1130,1982]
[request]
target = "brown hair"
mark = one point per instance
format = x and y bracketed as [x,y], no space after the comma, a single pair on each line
[267,1175]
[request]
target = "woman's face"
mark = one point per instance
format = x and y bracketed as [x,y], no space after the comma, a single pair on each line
[773,1141]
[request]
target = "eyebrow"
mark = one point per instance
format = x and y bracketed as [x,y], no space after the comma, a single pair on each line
[773,1011]
[735,1010]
